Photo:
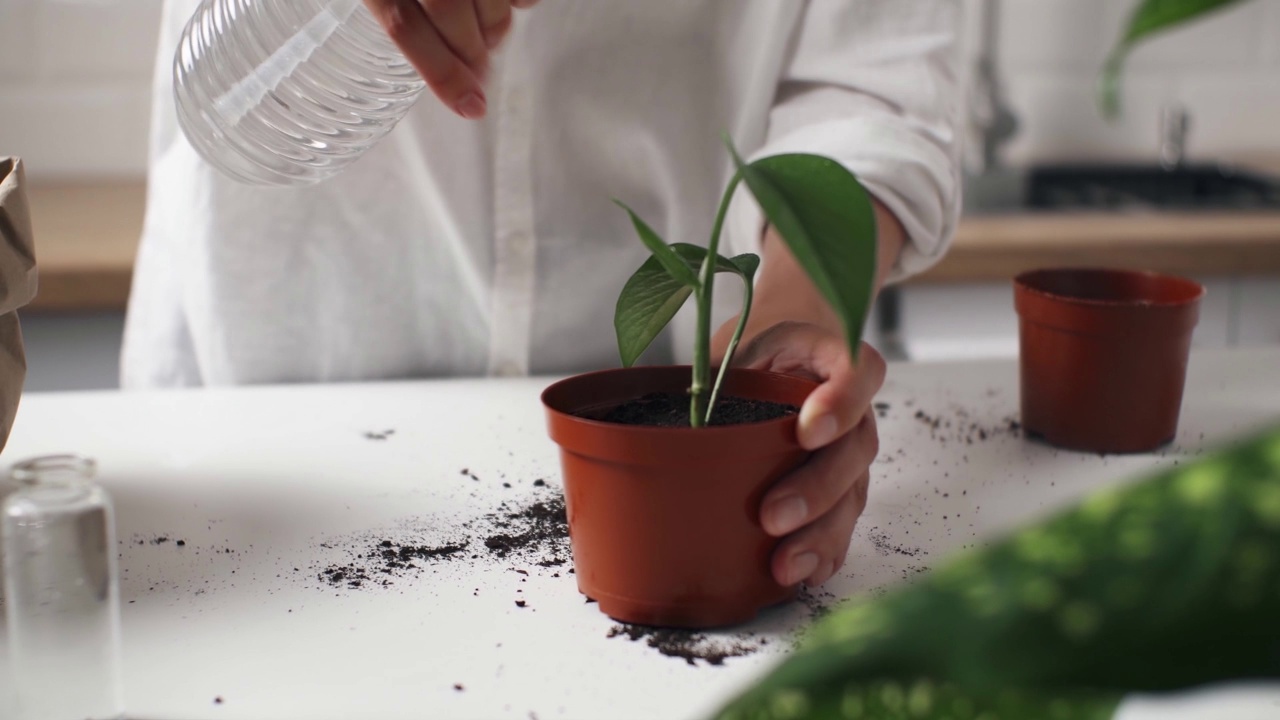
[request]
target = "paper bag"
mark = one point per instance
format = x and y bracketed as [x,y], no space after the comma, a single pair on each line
[17,287]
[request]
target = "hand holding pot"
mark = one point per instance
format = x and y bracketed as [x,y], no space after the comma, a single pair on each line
[448,42]
[818,505]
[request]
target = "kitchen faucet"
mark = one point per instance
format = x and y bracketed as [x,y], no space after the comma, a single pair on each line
[989,110]
[1174,126]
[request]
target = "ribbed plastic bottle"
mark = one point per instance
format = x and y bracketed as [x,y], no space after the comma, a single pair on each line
[288,92]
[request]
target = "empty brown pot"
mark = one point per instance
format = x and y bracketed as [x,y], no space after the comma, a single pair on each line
[1103,356]
[665,522]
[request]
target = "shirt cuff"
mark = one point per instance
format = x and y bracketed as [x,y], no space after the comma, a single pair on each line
[914,178]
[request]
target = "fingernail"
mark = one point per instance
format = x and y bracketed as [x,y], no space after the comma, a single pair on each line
[802,566]
[816,432]
[786,514]
[472,106]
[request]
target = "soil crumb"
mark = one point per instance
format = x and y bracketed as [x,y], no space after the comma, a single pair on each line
[383,560]
[671,410]
[959,426]
[885,545]
[537,533]
[690,646]
[817,601]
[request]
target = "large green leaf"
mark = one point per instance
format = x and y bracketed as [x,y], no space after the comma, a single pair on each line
[1150,17]
[827,220]
[652,296]
[1162,585]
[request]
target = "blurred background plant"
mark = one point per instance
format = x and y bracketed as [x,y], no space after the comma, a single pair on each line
[1149,18]
[1166,585]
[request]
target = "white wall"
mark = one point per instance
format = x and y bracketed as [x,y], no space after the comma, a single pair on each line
[75,76]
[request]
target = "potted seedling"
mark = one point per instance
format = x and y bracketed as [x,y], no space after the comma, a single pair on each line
[663,517]
[1160,586]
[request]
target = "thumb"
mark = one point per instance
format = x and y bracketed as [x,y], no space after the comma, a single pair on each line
[837,405]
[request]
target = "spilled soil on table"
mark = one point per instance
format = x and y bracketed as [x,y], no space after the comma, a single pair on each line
[689,645]
[534,532]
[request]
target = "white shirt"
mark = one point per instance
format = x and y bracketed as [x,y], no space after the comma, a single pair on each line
[457,247]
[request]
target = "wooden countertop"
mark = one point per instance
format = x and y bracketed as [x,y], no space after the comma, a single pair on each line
[87,235]
[996,248]
[86,240]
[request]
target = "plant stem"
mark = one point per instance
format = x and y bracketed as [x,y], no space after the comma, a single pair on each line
[699,408]
[748,292]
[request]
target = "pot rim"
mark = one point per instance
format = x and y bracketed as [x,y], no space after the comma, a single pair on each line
[1022,282]
[660,431]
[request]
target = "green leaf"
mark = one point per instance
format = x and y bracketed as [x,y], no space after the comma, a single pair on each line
[827,220]
[1149,18]
[677,269]
[652,296]
[747,264]
[1162,585]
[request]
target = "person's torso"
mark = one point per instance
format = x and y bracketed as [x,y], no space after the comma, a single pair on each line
[456,247]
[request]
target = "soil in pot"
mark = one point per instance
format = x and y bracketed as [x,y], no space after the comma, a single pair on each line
[672,410]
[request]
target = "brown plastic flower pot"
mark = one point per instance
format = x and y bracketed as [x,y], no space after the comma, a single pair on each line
[1103,356]
[665,522]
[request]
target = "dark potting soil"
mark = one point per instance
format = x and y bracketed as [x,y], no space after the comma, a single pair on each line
[688,645]
[535,531]
[672,410]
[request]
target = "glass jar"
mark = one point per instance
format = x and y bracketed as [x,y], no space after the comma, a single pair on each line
[62,598]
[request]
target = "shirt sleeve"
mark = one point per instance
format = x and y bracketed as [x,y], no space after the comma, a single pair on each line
[873,85]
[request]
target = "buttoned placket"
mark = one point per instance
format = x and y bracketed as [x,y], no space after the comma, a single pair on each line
[515,245]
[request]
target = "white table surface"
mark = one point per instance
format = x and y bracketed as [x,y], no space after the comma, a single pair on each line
[273,472]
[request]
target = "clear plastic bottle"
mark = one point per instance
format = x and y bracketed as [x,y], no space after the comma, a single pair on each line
[288,92]
[61,587]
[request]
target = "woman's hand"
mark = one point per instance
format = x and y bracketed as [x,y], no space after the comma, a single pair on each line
[817,506]
[448,42]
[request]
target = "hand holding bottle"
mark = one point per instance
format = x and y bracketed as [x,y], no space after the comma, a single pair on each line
[448,42]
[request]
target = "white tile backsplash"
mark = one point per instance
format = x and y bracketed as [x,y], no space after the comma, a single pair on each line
[1059,120]
[1053,35]
[112,40]
[1270,49]
[1232,114]
[18,59]
[87,130]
